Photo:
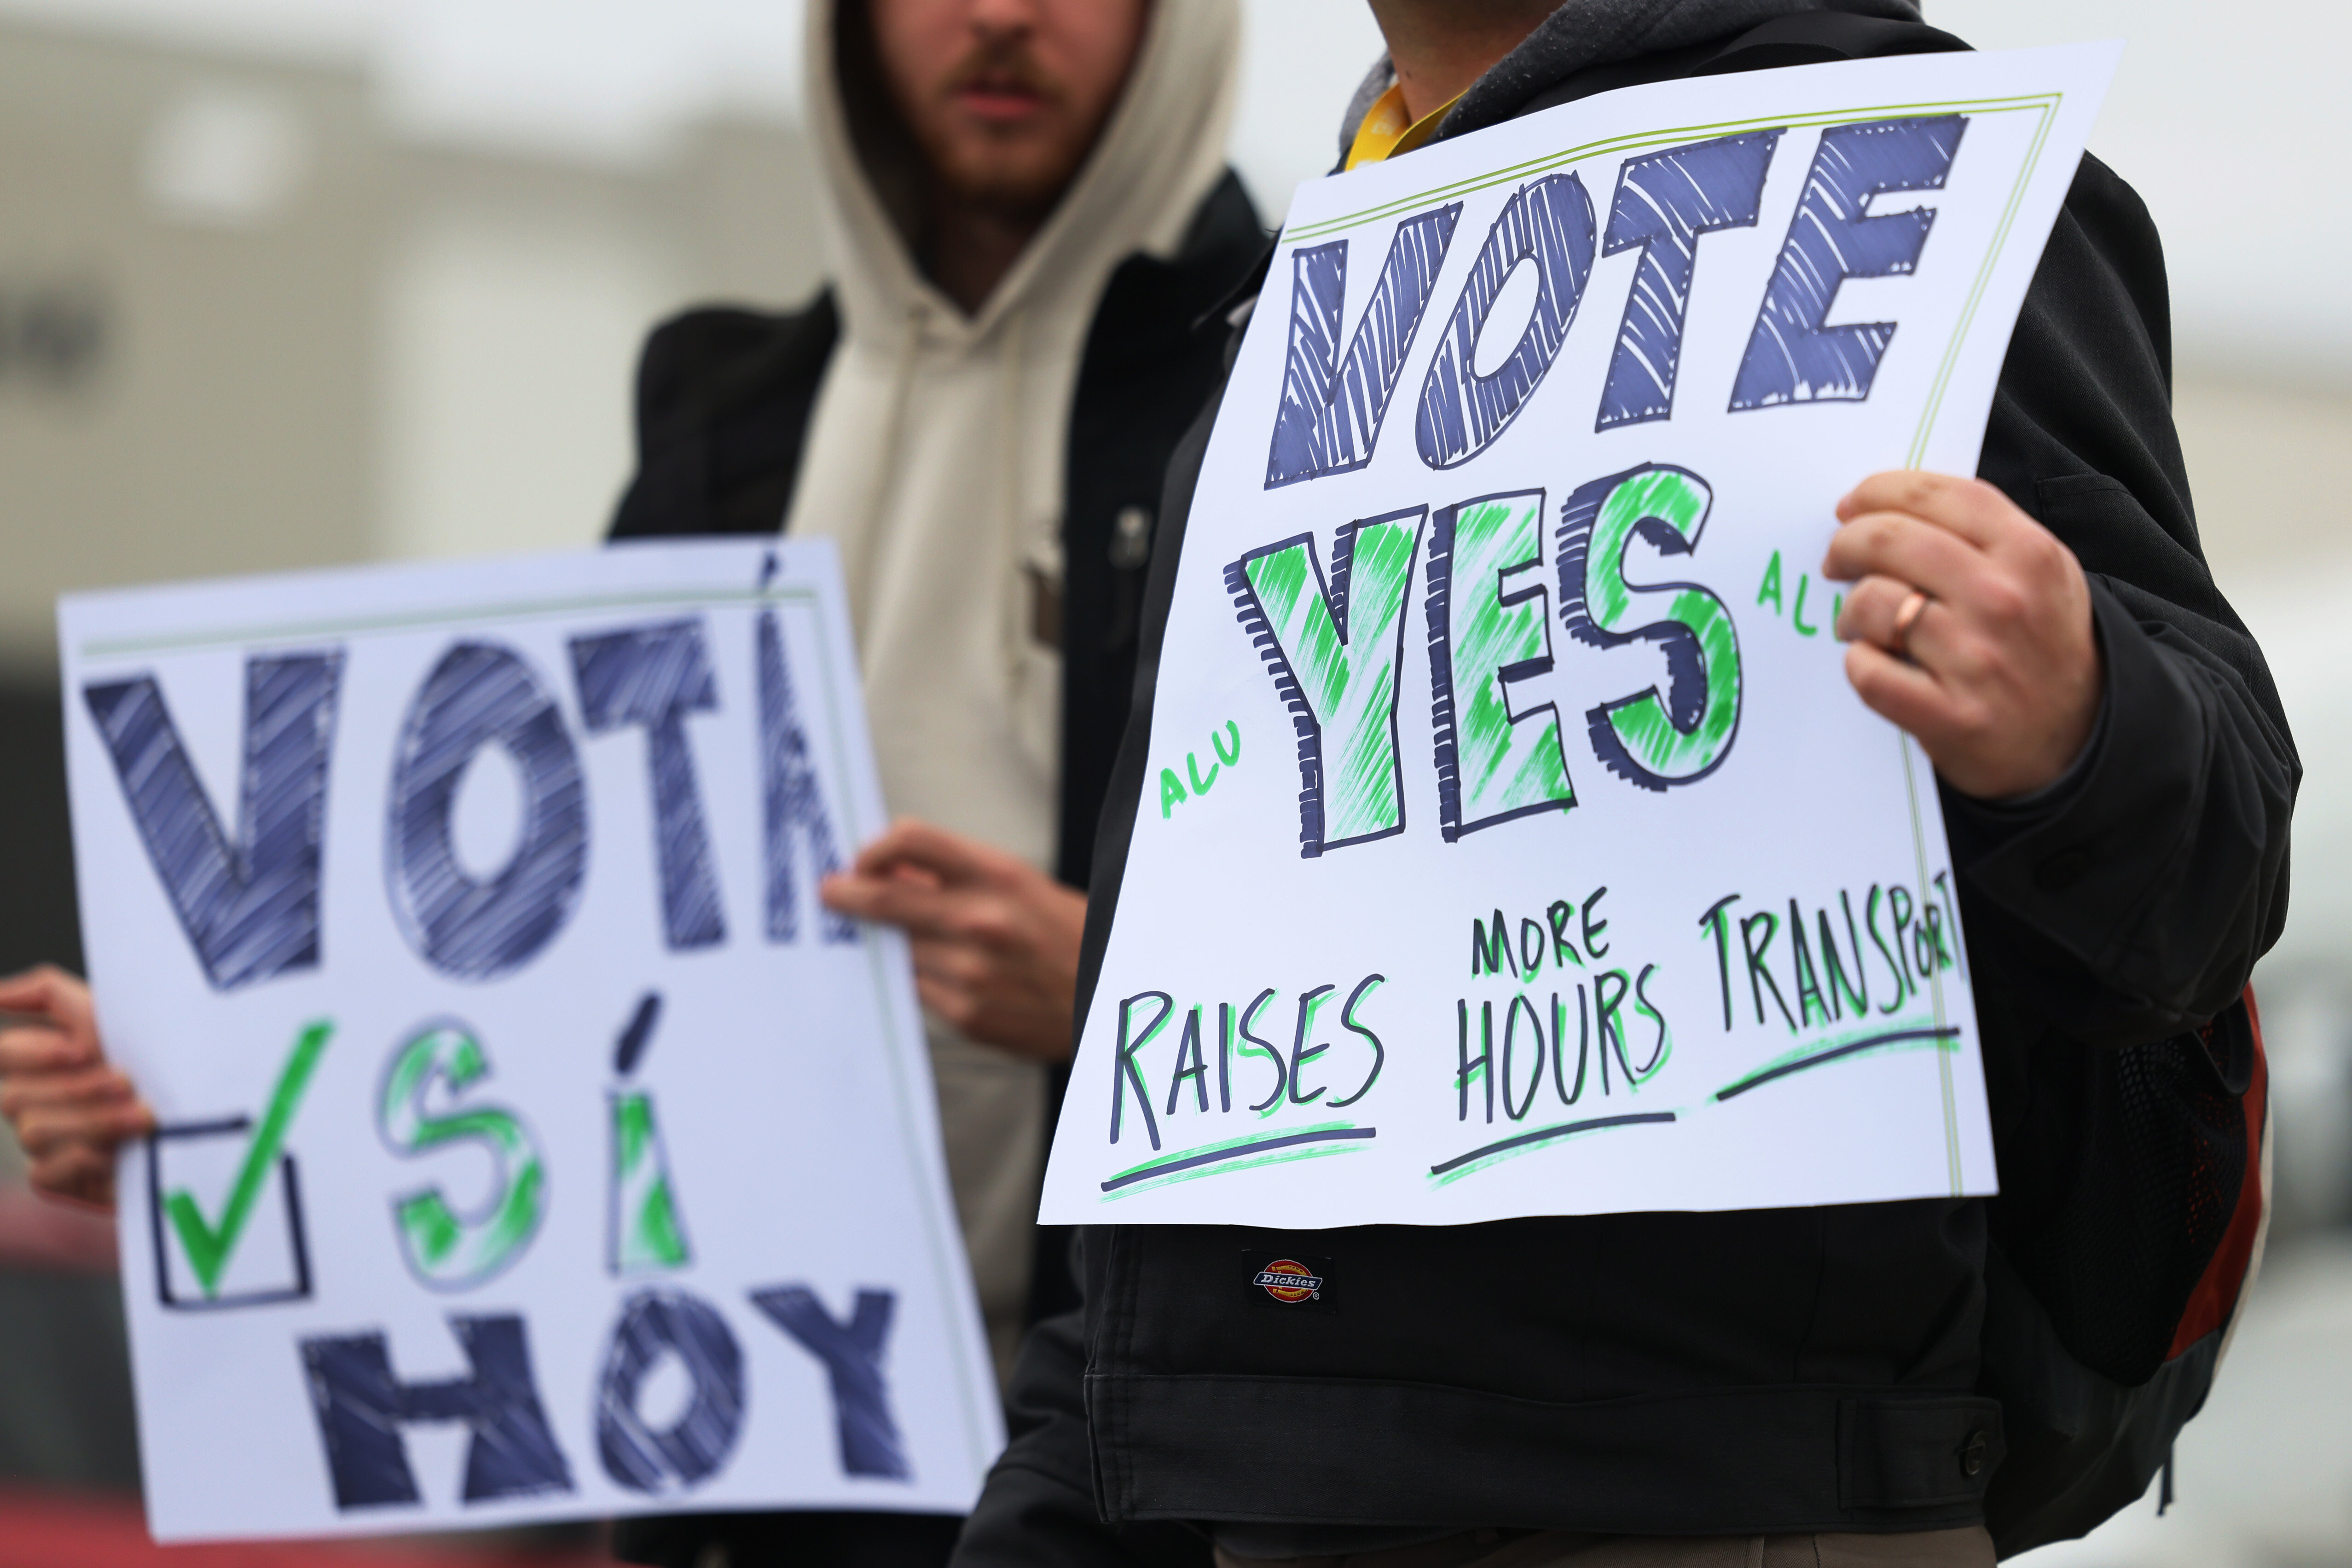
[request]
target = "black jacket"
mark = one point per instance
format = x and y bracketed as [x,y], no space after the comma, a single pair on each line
[1774,1371]
[723,401]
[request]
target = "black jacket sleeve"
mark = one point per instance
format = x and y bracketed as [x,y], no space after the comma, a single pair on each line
[723,400]
[2133,903]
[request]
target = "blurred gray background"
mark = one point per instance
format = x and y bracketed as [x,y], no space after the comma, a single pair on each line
[290,282]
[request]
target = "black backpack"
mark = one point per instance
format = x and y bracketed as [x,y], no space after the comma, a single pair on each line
[2135,1196]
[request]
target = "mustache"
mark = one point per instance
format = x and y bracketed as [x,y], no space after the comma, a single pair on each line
[1004,64]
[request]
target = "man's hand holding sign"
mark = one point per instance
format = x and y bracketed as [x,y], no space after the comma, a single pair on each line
[68,1107]
[1972,628]
[994,940]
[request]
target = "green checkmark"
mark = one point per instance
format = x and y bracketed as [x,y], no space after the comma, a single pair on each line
[207,1246]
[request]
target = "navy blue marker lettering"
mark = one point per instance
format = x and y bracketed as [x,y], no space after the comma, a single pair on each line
[1498,755]
[1536,1074]
[653,676]
[691,1447]
[1380,1052]
[1301,1054]
[1224,1057]
[1840,992]
[852,1354]
[791,803]
[1610,1025]
[1898,904]
[1490,947]
[1665,201]
[1342,698]
[1266,1048]
[1791,357]
[1124,1070]
[1190,1063]
[1651,741]
[1715,922]
[362,1407]
[251,909]
[482,694]
[1757,972]
[1480,1066]
[1806,978]
[1547,223]
[1559,1047]
[1902,978]
[1332,410]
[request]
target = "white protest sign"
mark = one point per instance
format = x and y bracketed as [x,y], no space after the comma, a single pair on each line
[1511,842]
[533,1144]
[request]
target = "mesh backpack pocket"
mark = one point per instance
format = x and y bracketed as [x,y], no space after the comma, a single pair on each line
[2133,1202]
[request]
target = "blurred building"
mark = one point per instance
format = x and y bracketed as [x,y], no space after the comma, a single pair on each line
[245,328]
[2270,461]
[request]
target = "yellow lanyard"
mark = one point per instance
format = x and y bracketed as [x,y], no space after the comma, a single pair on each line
[1386,133]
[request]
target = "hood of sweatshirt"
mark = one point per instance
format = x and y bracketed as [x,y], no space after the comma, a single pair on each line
[1159,152]
[935,452]
[936,461]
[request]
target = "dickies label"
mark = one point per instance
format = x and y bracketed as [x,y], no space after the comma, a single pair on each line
[1288,1282]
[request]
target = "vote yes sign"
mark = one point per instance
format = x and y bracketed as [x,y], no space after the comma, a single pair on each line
[533,1144]
[1511,842]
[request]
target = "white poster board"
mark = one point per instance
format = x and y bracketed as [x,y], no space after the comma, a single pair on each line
[533,1144]
[1511,841]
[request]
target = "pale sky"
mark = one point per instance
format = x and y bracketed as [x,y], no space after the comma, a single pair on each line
[2225,130]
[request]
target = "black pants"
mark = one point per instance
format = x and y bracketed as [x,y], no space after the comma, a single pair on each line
[789,1540]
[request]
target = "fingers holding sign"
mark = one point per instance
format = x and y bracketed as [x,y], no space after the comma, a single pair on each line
[1971,627]
[995,940]
[67,1107]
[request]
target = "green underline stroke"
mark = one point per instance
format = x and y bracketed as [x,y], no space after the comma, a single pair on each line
[1232,1149]
[1480,1158]
[1820,1053]
[1984,278]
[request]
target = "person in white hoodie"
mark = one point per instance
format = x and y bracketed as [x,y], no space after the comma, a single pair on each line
[1024,206]
[1026,212]
[1026,209]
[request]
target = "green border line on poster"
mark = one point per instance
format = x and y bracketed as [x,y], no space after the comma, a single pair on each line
[2049,108]
[932,1229]
[1935,975]
[931,1220]
[1610,146]
[411,620]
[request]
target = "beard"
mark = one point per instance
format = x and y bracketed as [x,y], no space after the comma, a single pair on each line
[1016,165]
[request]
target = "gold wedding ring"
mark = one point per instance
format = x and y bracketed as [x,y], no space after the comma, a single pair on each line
[1906,617]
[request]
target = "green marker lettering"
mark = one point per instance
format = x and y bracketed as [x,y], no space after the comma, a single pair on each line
[447,1249]
[208,1247]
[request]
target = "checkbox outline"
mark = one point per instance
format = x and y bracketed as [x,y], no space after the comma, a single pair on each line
[159,1223]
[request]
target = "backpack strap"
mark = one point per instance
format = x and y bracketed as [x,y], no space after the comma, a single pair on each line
[2214,1302]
